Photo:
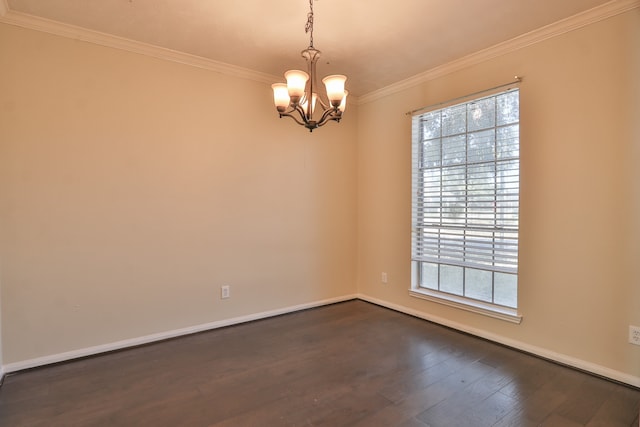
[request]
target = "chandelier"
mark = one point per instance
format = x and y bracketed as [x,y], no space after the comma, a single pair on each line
[292,99]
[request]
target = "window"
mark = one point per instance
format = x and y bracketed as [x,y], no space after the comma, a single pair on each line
[465,185]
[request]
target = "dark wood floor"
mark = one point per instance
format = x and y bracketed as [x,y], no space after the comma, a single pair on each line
[349,364]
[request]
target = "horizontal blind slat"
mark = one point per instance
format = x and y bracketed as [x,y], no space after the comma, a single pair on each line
[465,183]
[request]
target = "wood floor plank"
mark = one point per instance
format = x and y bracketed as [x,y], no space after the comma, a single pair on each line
[618,410]
[348,364]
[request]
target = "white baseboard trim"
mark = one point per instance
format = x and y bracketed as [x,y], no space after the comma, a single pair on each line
[118,345]
[519,345]
[2,374]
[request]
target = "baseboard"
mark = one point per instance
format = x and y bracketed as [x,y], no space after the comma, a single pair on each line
[519,345]
[118,345]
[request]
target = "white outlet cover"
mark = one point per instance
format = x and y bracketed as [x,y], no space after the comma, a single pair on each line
[634,334]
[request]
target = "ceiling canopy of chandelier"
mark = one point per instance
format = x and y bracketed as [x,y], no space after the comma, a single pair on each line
[292,99]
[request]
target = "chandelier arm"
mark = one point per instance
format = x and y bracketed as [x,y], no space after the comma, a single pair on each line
[336,119]
[330,119]
[303,114]
[324,106]
[331,112]
[288,114]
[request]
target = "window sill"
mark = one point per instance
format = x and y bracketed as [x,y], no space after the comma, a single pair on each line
[502,313]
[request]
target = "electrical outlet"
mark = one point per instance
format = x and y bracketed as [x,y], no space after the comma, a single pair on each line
[224,292]
[634,334]
[384,278]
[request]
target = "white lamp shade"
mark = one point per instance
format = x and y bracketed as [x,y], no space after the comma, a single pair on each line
[335,88]
[343,103]
[280,96]
[303,104]
[296,82]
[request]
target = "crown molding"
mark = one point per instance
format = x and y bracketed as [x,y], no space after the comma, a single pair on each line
[580,20]
[23,20]
[599,13]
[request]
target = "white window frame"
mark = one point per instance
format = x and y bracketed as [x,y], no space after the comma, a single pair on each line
[431,245]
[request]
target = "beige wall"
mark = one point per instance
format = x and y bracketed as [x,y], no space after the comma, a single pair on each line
[132,188]
[580,190]
[632,303]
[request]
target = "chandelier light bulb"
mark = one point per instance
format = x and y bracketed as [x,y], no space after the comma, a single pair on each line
[335,88]
[343,103]
[281,96]
[303,104]
[296,82]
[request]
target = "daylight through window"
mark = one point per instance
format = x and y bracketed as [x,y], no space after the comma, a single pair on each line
[465,178]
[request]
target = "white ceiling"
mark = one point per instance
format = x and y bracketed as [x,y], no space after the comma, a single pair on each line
[374,42]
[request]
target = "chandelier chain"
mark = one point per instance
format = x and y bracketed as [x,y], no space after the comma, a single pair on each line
[308,28]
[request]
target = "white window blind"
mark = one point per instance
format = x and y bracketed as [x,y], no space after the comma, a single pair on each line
[465,183]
